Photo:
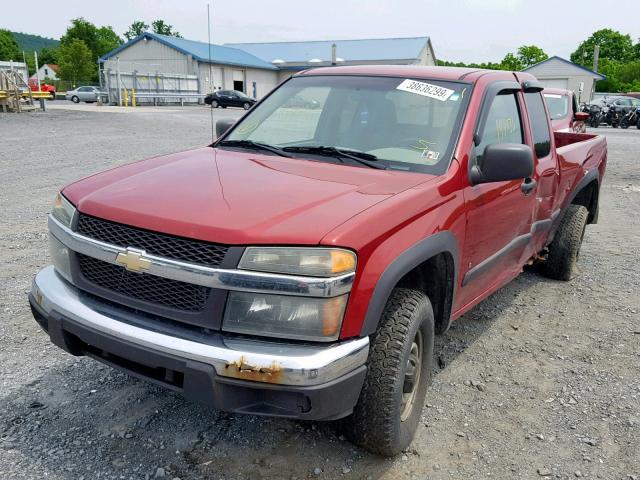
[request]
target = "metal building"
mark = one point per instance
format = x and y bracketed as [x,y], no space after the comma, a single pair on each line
[177,66]
[294,56]
[556,72]
[152,62]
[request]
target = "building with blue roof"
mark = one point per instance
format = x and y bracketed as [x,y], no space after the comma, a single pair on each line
[301,55]
[556,72]
[253,68]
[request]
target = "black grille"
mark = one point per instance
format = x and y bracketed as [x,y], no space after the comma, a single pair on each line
[145,287]
[160,244]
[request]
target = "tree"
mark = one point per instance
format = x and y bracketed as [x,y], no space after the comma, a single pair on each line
[530,55]
[75,61]
[137,28]
[484,65]
[85,31]
[613,46]
[511,62]
[48,55]
[9,49]
[108,40]
[636,50]
[162,28]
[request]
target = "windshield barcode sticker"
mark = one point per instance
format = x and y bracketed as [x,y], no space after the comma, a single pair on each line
[425,89]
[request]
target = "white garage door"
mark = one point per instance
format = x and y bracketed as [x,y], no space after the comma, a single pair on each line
[556,83]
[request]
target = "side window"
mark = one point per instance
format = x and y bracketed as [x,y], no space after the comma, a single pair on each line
[503,123]
[539,124]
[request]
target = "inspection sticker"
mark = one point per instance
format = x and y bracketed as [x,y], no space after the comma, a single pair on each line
[425,89]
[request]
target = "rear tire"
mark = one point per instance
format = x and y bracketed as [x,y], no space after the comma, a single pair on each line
[388,411]
[53,96]
[564,250]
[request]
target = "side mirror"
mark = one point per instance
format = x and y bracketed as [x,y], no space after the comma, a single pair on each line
[501,162]
[223,125]
[581,116]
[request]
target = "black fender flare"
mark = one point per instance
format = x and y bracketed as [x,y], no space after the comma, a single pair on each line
[584,181]
[441,242]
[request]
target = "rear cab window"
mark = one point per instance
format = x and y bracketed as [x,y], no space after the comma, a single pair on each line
[539,124]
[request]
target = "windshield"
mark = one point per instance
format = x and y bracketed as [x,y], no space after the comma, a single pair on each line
[558,105]
[407,124]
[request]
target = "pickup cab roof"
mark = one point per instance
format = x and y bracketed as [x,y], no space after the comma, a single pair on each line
[469,75]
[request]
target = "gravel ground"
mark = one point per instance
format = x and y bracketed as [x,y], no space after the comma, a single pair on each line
[539,381]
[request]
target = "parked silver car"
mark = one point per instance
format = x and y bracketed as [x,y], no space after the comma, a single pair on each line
[83,94]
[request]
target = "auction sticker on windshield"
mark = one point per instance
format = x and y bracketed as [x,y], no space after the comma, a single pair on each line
[425,89]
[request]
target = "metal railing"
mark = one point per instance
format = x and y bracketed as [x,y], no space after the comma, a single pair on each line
[131,96]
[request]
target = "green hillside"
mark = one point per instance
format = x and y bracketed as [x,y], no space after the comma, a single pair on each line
[31,43]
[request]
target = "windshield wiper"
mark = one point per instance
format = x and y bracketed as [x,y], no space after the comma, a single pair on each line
[253,145]
[362,158]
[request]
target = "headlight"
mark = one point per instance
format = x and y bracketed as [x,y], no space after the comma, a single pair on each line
[317,262]
[60,257]
[63,211]
[302,318]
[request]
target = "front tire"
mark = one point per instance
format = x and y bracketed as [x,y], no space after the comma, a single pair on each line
[564,250]
[75,99]
[388,411]
[214,104]
[246,105]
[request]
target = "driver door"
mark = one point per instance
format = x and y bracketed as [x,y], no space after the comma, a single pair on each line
[499,214]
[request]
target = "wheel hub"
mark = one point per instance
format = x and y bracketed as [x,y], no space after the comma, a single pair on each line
[411,377]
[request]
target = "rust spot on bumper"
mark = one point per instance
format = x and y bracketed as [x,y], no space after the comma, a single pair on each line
[244,370]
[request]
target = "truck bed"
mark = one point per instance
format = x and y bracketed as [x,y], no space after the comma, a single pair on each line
[578,155]
[569,138]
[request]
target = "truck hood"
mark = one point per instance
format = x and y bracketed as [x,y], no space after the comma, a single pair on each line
[236,197]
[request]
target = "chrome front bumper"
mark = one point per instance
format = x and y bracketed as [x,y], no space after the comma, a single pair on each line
[293,364]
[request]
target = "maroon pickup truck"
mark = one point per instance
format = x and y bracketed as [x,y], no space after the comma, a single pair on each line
[564,111]
[301,265]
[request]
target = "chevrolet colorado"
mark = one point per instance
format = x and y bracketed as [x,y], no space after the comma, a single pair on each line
[301,265]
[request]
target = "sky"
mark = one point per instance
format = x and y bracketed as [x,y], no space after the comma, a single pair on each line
[460,30]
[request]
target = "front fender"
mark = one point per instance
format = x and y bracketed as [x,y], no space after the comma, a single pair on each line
[441,242]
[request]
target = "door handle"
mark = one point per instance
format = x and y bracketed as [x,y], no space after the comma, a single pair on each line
[528,186]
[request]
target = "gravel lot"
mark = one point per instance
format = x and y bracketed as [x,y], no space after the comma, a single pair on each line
[540,380]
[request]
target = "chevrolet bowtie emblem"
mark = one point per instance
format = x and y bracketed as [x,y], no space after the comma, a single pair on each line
[133,260]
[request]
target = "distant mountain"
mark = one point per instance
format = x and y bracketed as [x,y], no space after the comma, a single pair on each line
[32,43]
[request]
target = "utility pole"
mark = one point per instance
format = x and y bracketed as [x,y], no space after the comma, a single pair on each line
[118,88]
[596,57]
[334,54]
[35,54]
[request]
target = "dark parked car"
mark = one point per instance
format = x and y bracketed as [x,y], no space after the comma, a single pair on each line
[229,98]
